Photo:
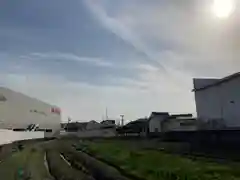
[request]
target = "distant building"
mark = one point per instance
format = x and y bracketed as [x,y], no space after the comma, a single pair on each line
[75,126]
[81,126]
[93,125]
[108,122]
[138,127]
[155,121]
[218,101]
[164,122]
[181,122]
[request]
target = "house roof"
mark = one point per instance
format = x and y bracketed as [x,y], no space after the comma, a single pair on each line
[181,119]
[108,121]
[180,115]
[220,81]
[134,126]
[159,113]
[76,125]
[141,120]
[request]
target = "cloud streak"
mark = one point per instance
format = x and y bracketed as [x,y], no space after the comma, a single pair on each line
[68,57]
[122,31]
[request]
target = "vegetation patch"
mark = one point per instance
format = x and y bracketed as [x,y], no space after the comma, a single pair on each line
[154,165]
[98,169]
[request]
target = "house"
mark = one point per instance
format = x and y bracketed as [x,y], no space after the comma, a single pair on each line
[218,101]
[155,121]
[164,122]
[181,122]
[138,127]
[108,124]
[93,125]
[75,126]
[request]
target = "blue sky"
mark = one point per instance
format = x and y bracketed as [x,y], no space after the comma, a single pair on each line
[132,56]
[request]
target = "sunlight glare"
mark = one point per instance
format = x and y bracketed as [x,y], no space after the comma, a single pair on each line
[223,8]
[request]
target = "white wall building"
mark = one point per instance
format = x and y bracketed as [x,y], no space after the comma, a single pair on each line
[18,111]
[218,101]
[155,121]
[164,122]
[179,124]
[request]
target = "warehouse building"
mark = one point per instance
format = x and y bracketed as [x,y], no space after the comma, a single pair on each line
[19,112]
[218,101]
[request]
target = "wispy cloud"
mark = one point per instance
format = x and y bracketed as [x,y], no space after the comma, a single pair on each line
[67,57]
[122,31]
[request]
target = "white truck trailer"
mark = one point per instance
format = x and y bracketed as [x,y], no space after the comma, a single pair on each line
[21,113]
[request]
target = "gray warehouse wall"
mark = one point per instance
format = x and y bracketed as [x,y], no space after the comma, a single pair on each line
[18,111]
[220,102]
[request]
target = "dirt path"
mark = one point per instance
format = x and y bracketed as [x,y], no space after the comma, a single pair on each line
[28,163]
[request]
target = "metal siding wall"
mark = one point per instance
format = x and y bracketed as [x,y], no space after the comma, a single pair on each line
[215,102]
[208,103]
[171,125]
[231,102]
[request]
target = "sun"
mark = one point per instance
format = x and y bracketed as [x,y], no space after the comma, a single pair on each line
[223,8]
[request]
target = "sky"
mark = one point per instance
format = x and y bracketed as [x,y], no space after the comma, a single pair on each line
[129,56]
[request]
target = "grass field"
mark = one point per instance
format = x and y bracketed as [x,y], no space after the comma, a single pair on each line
[109,159]
[154,165]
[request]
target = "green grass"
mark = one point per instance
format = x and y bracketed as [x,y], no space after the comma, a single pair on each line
[154,165]
[29,160]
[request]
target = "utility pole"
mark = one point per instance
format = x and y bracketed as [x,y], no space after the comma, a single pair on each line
[106,114]
[122,119]
[69,120]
